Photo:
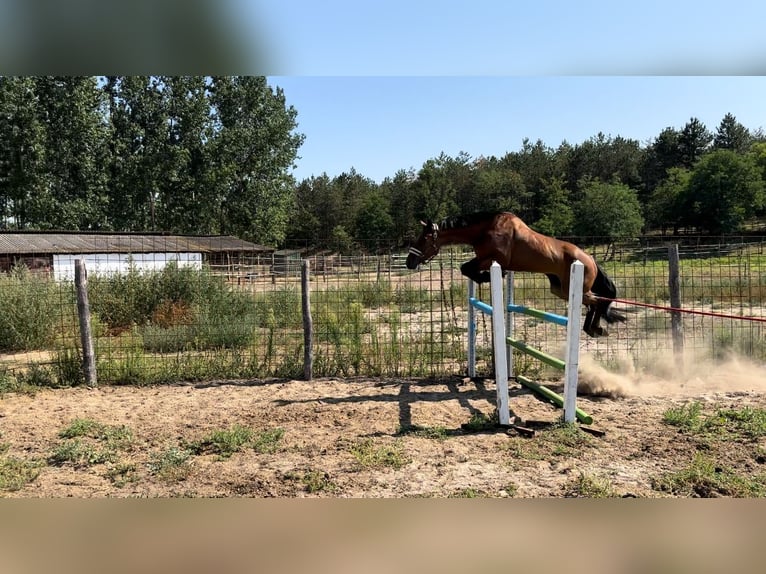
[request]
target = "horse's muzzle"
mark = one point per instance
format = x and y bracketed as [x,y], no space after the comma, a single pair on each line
[413,258]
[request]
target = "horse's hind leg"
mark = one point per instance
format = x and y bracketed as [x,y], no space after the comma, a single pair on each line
[592,325]
[588,321]
[592,320]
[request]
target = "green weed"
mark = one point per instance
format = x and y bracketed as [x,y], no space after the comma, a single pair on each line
[268,441]
[747,422]
[566,439]
[80,454]
[224,443]
[469,493]
[481,422]
[88,442]
[38,375]
[704,478]
[9,382]
[318,481]
[686,417]
[172,464]
[588,486]
[81,427]
[122,473]
[437,432]
[723,424]
[411,299]
[15,473]
[369,455]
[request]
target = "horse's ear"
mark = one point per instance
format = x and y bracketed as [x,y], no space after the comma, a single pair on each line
[423,223]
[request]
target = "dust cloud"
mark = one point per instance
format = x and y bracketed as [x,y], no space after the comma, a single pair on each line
[663,375]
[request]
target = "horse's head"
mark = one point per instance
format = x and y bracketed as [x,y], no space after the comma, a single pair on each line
[426,246]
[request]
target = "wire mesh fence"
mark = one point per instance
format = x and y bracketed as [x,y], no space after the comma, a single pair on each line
[172,320]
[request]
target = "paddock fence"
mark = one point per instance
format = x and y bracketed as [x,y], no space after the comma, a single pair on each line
[372,317]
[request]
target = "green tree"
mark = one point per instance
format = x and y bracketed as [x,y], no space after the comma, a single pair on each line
[460,171]
[693,142]
[308,215]
[758,153]
[605,158]
[341,240]
[398,191]
[534,164]
[72,194]
[373,222]
[497,187]
[732,135]
[254,146]
[22,150]
[139,136]
[666,206]
[556,214]
[608,210]
[350,190]
[323,206]
[434,189]
[725,189]
[186,202]
[662,154]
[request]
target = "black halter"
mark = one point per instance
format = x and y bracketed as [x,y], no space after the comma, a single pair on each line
[432,238]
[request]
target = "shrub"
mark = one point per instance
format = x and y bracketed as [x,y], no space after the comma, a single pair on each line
[280,308]
[162,297]
[28,320]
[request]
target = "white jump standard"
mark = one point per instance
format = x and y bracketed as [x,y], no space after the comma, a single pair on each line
[498,338]
[503,356]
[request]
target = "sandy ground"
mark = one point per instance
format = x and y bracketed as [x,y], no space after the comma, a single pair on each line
[328,422]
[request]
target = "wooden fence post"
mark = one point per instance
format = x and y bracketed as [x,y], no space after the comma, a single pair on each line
[308,326]
[83,313]
[674,285]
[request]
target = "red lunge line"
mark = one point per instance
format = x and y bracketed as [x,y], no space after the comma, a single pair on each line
[689,311]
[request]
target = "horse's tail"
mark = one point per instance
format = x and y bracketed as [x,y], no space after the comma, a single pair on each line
[605,287]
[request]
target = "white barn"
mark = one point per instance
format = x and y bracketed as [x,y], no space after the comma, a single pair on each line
[54,253]
[109,263]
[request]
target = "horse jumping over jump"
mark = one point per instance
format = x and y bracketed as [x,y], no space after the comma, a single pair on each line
[505,238]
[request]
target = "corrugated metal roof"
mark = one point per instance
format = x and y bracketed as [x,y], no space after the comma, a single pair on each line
[38,243]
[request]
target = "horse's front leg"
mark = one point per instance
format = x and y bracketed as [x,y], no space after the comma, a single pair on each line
[472,270]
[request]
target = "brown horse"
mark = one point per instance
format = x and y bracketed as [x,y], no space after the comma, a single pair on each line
[505,238]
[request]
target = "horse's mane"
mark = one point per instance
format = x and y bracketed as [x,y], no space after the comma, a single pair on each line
[460,221]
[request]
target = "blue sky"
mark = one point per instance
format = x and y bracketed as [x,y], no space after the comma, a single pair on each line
[506,37]
[379,125]
[384,85]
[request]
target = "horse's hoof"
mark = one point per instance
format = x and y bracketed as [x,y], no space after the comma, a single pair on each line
[596,332]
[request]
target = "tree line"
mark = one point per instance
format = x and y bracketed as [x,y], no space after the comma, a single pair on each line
[197,155]
[213,155]
[685,180]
